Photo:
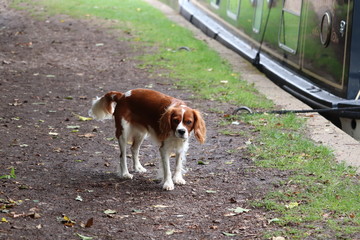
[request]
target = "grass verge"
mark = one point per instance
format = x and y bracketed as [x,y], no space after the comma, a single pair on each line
[320,200]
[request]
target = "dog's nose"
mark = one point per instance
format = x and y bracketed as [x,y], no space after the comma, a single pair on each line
[181,131]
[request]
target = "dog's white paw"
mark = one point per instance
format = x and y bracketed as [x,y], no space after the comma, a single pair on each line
[139,169]
[125,175]
[168,185]
[179,180]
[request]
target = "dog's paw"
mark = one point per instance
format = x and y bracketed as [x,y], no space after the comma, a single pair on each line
[179,180]
[168,185]
[125,175]
[140,169]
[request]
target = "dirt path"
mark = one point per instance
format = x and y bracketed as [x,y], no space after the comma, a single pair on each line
[49,72]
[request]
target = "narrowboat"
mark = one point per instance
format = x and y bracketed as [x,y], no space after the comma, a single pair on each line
[309,48]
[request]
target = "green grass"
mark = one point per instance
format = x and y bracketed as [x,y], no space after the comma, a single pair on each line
[325,193]
[321,197]
[200,69]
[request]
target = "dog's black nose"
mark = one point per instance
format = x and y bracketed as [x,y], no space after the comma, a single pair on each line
[181,131]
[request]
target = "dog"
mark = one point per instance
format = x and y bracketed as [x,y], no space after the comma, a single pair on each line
[143,112]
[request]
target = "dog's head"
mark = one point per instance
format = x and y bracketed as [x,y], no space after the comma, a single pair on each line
[181,120]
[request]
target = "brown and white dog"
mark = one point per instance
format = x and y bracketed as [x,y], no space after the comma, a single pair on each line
[142,112]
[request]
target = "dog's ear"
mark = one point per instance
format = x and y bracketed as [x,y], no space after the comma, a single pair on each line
[199,127]
[165,124]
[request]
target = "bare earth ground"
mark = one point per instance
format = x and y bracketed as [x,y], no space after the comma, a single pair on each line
[49,72]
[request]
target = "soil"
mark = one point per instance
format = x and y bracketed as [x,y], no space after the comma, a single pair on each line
[65,185]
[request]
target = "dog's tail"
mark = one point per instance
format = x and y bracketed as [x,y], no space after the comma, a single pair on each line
[103,108]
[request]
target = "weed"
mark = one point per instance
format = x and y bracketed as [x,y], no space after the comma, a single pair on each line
[10,175]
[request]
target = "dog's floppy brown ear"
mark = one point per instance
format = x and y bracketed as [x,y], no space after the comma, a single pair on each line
[199,127]
[165,124]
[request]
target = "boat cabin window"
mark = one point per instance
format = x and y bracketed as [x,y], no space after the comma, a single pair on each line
[258,4]
[215,3]
[233,8]
[290,25]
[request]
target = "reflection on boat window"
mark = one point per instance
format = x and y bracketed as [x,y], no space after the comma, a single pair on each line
[258,15]
[215,3]
[233,7]
[290,25]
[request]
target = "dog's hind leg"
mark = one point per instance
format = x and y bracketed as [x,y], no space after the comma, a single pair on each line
[123,170]
[135,147]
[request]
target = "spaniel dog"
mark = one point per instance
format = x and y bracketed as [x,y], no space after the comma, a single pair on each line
[167,120]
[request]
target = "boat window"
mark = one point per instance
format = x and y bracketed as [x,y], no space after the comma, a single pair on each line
[233,7]
[290,25]
[258,4]
[215,3]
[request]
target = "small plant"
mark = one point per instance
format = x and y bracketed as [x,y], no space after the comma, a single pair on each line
[9,176]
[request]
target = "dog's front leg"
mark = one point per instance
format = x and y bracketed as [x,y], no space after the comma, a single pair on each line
[123,169]
[178,178]
[167,180]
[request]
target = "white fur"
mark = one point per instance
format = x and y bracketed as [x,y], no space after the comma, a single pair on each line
[128,93]
[98,109]
[181,127]
[180,147]
[170,145]
[137,136]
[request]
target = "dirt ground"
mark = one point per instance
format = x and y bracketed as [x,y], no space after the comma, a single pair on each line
[65,185]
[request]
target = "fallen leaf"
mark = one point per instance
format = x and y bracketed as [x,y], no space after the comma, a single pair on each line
[170,232]
[89,223]
[136,211]
[57,150]
[87,135]
[274,220]
[67,221]
[239,210]
[229,234]
[81,118]
[35,215]
[248,142]
[4,220]
[210,191]
[278,238]
[84,237]
[230,214]
[73,126]
[79,198]
[109,212]
[160,206]
[292,205]
[202,163]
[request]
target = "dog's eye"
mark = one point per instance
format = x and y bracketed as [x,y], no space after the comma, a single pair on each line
[188,122]
[176,121]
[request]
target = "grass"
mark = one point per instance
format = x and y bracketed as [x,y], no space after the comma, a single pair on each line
[321,198]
